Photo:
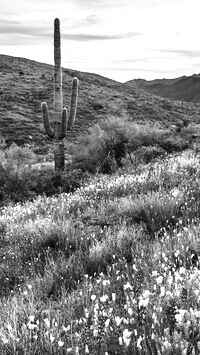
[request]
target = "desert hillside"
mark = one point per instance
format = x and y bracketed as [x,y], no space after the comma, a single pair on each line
[26,83]
[185,88]
[102,257]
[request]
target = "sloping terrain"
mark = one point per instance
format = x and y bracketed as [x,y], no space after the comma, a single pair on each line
[185,88]
[25,84]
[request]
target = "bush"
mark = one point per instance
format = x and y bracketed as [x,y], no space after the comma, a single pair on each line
[15,156]
[144,135]
[147,154]
[109,141]
[174,143]
[15,171]
[102,149]
[48,182]
[21,178]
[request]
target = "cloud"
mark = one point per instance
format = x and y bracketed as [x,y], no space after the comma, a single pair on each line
[182,52]
[96,3]
[14,28]
[91,20]
[86,21]
[5,21]
[14,32]
[131,60]
[22,29]
[98,37]
[118,3]
[132,69]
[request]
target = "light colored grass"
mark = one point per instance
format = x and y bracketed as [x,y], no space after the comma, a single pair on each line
[110,268]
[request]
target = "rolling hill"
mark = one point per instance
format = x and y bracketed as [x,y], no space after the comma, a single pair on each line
[26,83]
[185,88]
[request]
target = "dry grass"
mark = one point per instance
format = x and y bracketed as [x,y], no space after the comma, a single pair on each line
[111,268]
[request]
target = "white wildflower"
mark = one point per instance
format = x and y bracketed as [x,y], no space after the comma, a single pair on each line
[180,315]
[130,311]
[154,273]
[52,338]
[86,349]
[113,297]
[120,341]
[31,318]
[159,280]
[106,282]
[107,322]
[47,322]
[127,286]
[104,298]
[162,291]
[139,342]
[126,333]
[60,343]
[118,320]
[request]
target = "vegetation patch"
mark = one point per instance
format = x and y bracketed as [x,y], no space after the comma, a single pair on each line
[109,267]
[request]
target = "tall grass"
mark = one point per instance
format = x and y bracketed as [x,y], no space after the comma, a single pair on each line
[108,143]
[111,268]
[23,176]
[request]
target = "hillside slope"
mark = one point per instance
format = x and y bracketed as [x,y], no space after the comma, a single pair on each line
[25,84]
[185,88]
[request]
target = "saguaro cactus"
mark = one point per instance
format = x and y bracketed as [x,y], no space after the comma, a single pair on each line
[63,121]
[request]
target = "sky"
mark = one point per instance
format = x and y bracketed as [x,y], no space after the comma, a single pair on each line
[119,39]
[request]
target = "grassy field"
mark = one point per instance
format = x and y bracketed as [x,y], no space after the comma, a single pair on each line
[111,268]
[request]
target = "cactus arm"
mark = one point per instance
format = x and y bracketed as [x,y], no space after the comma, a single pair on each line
[46,122]
[64,123]
[73,106]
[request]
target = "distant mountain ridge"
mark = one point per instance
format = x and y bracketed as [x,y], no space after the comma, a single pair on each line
[25,84]
[185,88]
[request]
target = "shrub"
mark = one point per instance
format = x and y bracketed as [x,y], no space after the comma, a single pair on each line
[21,178]
[152,210]
[47,181]
[148,136]
[108,142]
[147,154]
[174,143]
[15,171]
[16,156]
[95,152]
[103,148]
[43,181]
[144,135]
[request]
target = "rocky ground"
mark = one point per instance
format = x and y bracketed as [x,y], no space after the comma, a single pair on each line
[25,84]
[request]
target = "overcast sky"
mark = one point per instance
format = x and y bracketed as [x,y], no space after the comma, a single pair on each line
[119,39]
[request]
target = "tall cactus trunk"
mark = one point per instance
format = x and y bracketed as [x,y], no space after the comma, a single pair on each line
[59,157]
[61,121]
[59,150]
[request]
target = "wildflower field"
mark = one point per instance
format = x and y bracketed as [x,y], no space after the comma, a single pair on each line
[112,268]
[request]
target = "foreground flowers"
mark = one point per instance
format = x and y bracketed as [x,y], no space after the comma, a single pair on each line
[89,273]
